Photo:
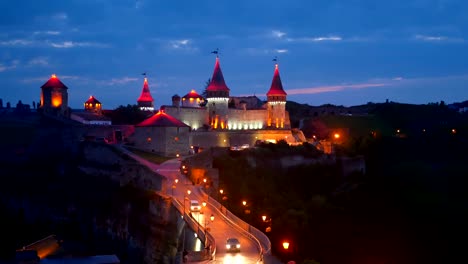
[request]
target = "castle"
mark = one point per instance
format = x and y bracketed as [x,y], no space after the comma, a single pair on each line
[192,120]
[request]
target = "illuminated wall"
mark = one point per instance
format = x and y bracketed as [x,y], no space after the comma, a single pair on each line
[54,98]
[240,119]
[195,117]
[166,141]
[277,115]
[218,112]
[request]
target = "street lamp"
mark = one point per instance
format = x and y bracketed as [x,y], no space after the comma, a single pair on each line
[212,217]
[286,245]
[203,208]
[244,203]
[185,197]
[264,218]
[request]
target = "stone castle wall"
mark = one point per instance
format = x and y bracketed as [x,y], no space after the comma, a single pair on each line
[229,138]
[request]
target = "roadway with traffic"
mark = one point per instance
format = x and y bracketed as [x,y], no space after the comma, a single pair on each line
[221,228]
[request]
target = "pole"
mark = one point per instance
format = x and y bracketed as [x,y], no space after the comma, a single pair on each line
[183,233]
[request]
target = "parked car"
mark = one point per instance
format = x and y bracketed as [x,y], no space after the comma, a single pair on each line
[232,245]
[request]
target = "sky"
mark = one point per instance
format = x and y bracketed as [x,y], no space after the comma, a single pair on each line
[329,52]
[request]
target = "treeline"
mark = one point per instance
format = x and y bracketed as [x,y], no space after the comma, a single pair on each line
[397,212]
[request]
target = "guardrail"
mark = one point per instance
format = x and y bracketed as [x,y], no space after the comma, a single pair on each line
[201,233]
[262,241]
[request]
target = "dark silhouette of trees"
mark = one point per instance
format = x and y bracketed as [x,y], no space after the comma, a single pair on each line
[128,115]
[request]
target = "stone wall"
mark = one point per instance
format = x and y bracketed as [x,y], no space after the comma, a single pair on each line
[229,138]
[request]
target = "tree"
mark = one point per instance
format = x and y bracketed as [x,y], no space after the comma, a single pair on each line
[128,115]
[204,93]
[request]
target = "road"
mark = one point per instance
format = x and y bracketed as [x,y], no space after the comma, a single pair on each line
[219,228]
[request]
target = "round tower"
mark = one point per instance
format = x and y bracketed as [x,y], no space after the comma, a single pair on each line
[93,105]
[192,99]
[145,101]
[54,97]
[217,95]
[176,100]
[276,103]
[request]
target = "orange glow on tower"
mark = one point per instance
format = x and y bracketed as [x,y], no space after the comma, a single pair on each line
[56,100]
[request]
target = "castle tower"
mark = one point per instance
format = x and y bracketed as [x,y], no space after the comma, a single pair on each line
[145,101]
[54,97]
[176,100]
[93,105]
[217,96]
[276,102]
[192,99]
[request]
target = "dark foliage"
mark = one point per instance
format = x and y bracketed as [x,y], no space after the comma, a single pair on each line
[128,115]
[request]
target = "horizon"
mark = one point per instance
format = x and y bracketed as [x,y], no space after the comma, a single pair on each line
[333,52]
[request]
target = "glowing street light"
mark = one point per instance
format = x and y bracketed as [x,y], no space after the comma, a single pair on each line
[176,180]
[286,245]
[336,136]
[244,203]
[189,192]
[204,180]
[221,191]
[212,217]
[264,218]
[204,204]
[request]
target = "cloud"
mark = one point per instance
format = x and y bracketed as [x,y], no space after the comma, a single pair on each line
[60,16]
[12,65]
[139,3]
[179,44]
[16,42]
[428,38]
[48,32]
[38,61]
[278,34]
[281,51]
[315,39]
[334,88]
[397,79]
[45,78]
[119,81]
[262,51]
[182,44]
[75,44]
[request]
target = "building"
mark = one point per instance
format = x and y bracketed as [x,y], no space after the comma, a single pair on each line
[224,120]
[145,101]
[162,134]
[54,97]
[92,114]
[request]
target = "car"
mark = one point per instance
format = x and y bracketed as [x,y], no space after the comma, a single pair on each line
[233,244]
[194,206]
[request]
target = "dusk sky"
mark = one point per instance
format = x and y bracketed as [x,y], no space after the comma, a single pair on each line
[346,52]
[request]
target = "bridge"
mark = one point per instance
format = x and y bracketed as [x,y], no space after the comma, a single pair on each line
[212,225]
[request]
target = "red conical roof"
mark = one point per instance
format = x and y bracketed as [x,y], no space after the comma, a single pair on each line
[54,82]
[145,93]
[193,95]
[217,80]
[161,119]
[92,100]
[276,85]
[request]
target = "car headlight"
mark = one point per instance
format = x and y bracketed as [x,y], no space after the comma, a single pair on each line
[238,245]
[227,246]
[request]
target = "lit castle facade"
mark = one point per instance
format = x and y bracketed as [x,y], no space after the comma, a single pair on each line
[224,120]
[223,112]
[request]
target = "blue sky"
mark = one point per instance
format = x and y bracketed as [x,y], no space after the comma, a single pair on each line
[340,52]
